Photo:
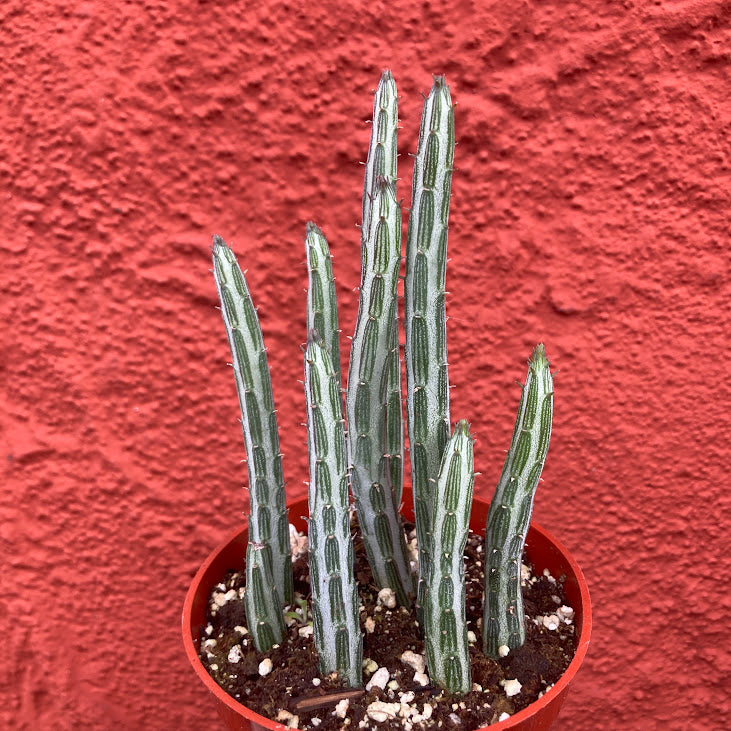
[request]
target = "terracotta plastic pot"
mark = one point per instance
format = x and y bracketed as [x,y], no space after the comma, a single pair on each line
[544,551]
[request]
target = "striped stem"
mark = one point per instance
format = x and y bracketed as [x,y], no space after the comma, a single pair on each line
[503,622]
[268,521]
[334,592]
[427,381]
[445,625]
[366,397]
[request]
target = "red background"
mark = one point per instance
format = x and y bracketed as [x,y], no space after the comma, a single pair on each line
[590,211]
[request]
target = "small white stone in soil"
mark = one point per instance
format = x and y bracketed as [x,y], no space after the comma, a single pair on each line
[414,660]
[306,631]
[454,718]
[265,667]
[241,630]
[477,687]
[565,612]
[551,622]
[315,721]
[288,718]
[512,687]
[471,637]
[235,654]
[342,708]
[555,599]
[209,644]
[297,543]
[230,595]
[504,716]
[503,650]
[428,710]
[392,685]
[379,679]
[316,681]
[209,629]
[524,572]
[370,625]
[421,678]
[370,666]
[387,597]
[550,578]
[219,599]
[407,697]
[382,712]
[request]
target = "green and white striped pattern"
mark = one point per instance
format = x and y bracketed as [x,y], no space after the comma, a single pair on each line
[503,622]
[366,399]
[261,600]
[334,592]
[427,380]
[268,519]
[322,305]
[382,163]
[445,627]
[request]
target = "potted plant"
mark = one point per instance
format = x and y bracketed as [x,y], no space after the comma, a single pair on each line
[366,459]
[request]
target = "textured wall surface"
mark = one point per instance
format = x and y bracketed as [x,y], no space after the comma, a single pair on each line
[590,211]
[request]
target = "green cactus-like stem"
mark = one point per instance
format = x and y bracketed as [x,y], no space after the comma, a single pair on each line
[338,639]
[382,163]
[268,517]
[366,400]
[445,626]
[322,307]
[503,622]
[427,380]
[261,600]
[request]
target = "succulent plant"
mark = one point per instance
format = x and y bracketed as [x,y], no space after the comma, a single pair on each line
[445,627]
[503,622]
[334,591]
[368,455]
[269,562]
[427,379]
[374,418]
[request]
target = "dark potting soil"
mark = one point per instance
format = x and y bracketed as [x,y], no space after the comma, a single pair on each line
[288,694]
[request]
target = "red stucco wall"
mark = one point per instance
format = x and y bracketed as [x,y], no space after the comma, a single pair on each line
[590,211]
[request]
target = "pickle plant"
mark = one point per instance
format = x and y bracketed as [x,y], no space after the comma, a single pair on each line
[357,442]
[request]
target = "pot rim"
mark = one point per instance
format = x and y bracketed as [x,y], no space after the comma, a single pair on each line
[559,687]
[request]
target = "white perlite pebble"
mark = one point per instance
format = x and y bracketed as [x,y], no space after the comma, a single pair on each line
[342,708]
[265,667]
[370,666]
[471,637]
[428,710]
[503,650]
[306,631]
[524,572]
[551,622]
[297,543]
[288,718]
[504,716]
[512,687]
[316,681]
[387,597]
[370,625]
[407,697]
[235,654]
[414,660]
[315,721]
[565,612]
[421,678]
[241,630]
[219,599]
[379,679]
[382,712]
